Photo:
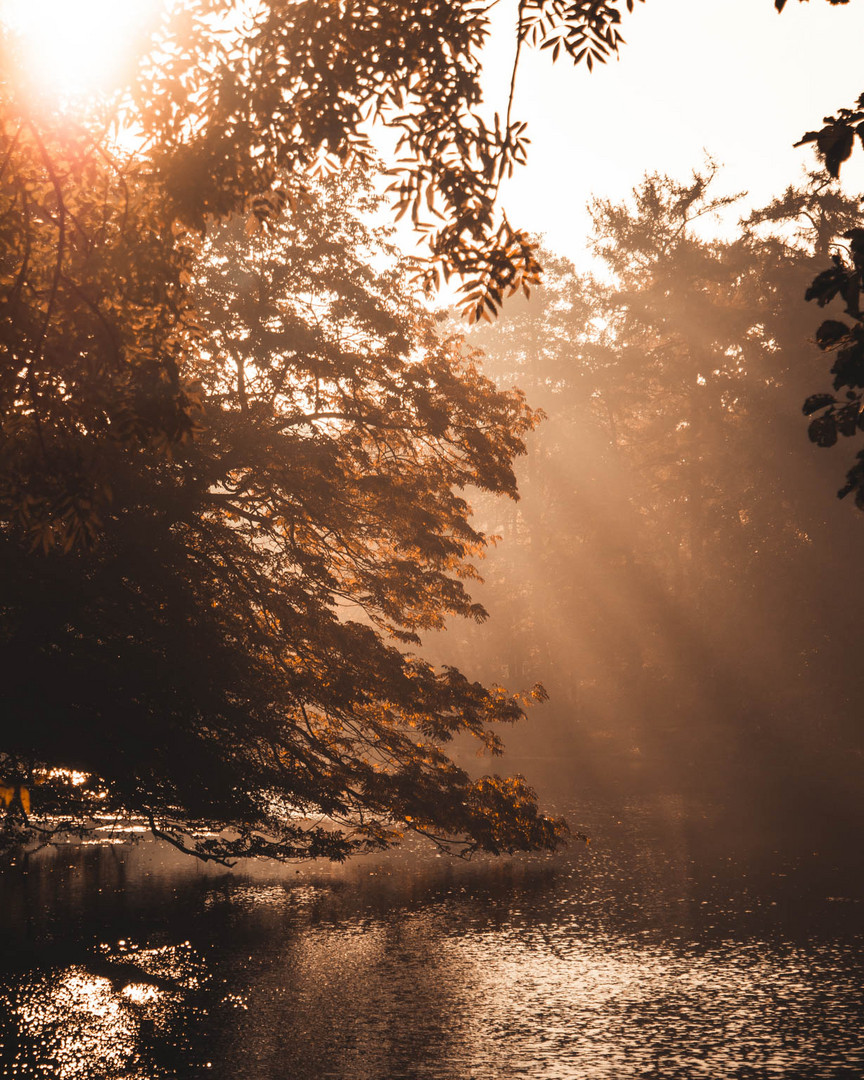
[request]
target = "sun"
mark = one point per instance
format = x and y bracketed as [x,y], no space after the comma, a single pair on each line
[74,48]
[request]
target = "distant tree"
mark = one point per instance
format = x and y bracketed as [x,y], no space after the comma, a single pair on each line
[673,554]
[679,360]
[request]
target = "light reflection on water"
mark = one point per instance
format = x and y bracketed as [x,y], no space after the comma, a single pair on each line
[77,1025]
[611,1008]
[624,962]
[95,1019]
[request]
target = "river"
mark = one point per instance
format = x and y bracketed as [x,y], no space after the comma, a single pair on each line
[669,948]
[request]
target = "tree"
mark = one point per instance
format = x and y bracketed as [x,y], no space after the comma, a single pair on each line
[224,499]
[670,570]
[225,495]
[217,657]
[234,119]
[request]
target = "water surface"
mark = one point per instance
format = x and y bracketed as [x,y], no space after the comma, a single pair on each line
[665,949]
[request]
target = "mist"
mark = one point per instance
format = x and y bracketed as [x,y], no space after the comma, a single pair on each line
[679,573]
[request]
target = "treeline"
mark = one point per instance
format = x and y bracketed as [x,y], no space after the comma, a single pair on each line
[679,572]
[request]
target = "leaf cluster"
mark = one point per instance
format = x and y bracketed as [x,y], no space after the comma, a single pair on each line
[301,88]
[845,417]
[583,29]
[834,143]
[95,327]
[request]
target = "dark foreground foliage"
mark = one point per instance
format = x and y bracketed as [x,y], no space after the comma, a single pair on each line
[233,455]
[231,492]
[841,412]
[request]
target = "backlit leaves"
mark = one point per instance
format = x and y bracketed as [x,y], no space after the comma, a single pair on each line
[585,30]
[834,142]
[294,94]
[94,326]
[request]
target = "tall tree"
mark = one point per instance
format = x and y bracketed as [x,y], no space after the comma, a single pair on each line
[231,466]
[216,657]
[673,556]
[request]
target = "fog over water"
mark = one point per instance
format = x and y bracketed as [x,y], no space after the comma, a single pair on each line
[679,573]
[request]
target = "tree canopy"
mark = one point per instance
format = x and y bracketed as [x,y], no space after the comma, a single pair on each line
[228,119]
[234,454]
[670,572]
[221,653]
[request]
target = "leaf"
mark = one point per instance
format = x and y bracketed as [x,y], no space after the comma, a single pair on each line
[834,144]
[847,419]
[830,332]
[848,368]
[828,284]
[823,431]
[816,402]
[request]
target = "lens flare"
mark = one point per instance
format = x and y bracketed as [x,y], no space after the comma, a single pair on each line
[73,48]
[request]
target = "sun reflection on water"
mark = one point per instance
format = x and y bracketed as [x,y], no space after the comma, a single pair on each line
[80,1026]
[608,1008]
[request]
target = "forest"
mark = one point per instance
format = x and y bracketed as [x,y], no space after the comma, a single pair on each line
[245,465]
[428,650]
[679,572]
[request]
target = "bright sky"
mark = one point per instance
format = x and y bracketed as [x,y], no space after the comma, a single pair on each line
[730,77]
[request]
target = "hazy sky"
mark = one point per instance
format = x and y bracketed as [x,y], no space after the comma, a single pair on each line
[730,77]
